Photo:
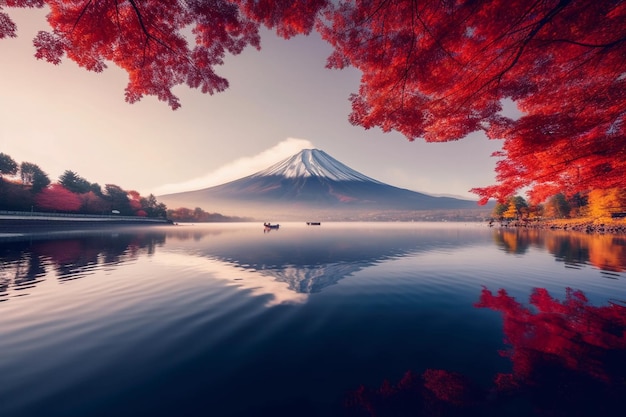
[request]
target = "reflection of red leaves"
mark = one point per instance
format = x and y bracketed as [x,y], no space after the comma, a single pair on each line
[435,393]
[451,387]
[506,382]
[69,252]
[570,333]
[569,359]
[388,399]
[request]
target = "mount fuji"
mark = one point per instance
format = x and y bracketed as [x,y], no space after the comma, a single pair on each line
[311,183]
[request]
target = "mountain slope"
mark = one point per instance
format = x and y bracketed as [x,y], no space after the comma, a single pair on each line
[310,180]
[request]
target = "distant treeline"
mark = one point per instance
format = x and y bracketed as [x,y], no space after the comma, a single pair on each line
[197,215]
[26,187]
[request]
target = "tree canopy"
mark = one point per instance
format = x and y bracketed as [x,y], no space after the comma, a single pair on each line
[72,193]
[33,176]
[8,166]
[74,182]
[432,69]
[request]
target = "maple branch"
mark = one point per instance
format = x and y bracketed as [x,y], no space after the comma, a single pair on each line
[408,64]
[544,20]
[587,45]
[149,36]
[427,29]
[82,12]
[524,42]
[463,87]
[375,12]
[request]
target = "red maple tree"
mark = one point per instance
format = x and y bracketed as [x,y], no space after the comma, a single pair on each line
[57,198]
[432,69]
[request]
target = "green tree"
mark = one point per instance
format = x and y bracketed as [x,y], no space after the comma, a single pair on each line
[499,209]
[152,207]
[118,199]
[33,176]
[15,197]
[7,165]
[513,207]
[95,188]
[74,182]
[557,206]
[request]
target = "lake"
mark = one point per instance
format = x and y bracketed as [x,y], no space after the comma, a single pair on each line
[342,319]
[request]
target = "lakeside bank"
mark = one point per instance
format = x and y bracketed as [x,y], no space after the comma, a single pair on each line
[584,225]
[32,222]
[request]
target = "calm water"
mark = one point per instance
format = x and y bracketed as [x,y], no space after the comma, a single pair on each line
[342,319]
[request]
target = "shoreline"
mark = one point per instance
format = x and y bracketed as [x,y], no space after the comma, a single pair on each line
[601,226]
[28,223]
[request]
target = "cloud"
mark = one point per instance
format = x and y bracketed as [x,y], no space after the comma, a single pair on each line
[239,168]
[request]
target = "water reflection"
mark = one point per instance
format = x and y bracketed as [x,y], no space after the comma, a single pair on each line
[309,261]
[306,260]
[568,359]
[27,262]
[175,321]
[574,249]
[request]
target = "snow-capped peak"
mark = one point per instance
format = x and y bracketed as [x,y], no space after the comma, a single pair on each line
[313,163]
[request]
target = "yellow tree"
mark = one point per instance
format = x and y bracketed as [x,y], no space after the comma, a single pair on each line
[511,212]
[602,203]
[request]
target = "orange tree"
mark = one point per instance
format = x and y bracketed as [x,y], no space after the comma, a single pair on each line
[431,69]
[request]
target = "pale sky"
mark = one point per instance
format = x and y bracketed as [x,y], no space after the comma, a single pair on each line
[281,99]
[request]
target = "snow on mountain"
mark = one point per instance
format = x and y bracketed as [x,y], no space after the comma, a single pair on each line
[312,184]
[313,163]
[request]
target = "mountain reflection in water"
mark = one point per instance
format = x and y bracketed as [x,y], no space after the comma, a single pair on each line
[226,320]
[306,262]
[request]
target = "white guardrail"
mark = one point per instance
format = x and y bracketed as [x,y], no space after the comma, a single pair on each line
[37,215]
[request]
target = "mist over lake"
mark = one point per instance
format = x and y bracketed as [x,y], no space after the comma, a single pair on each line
[342,319]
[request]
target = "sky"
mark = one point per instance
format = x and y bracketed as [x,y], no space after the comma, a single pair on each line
[281,99]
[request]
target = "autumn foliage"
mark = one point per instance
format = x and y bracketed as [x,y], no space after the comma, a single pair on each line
[570,334]
[568,359]
[436,70]
[71,194]
[56,197]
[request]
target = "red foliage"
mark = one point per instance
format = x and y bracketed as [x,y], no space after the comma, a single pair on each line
[71,251]
[571,334]
[437,70]
[135,201]
[451,387]
[289,18]
[57,198]
[389,399]
[146,39]
[569,359]
[94,204]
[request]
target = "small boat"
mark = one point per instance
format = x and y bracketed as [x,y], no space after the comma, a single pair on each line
[314,223]
[271,226]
